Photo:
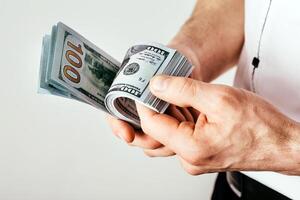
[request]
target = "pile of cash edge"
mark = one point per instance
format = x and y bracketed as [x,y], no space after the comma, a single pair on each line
[73,67]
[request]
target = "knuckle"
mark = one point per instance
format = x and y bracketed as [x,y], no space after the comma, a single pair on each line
[228,96]
[233,99]
[193,159]
[242,94]
[192,171]
[186,127]
[188,85]
[213,146]
[145,125]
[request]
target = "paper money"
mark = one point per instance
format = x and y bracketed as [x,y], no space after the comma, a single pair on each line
[73,67]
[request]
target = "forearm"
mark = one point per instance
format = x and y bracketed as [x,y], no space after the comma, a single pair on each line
[275,143]
[290,153]
[212,37]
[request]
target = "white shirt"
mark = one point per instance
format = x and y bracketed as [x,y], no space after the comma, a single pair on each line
[277,79]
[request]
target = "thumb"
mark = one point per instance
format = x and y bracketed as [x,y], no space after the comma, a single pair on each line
[184,92]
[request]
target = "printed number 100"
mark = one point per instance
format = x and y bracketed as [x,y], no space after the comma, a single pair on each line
[74,62]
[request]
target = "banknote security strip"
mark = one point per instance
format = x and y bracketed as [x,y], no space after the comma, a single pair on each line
[73,67]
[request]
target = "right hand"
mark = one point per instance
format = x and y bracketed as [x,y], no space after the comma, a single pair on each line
[151,147]
[214,35]
[138,138]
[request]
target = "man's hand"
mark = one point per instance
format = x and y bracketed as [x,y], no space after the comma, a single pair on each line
[236,129]
[212,39]
[138,138]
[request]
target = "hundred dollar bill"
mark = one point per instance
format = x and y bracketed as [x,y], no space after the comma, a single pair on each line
[131,84]
[73,67]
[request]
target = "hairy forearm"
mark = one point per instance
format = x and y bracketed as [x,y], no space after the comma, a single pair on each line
[276,140]
[290,152]
[212,37]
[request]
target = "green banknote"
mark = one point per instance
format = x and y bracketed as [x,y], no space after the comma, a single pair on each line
[73,67]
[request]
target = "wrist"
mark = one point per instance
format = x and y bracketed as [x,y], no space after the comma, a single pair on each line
[294,148]
[288,157]
[188,48]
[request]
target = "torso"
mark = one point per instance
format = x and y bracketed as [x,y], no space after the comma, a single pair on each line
[277,78]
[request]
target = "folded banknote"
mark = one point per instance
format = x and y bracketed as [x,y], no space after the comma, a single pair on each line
[73,67]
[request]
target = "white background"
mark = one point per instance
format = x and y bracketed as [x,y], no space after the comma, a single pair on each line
[54,148]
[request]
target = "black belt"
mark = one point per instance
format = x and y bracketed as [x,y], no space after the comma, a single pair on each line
[248,188]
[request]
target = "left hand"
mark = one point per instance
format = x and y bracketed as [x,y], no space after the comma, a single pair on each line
[236,129]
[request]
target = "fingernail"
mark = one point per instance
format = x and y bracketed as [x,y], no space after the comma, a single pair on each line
[121,137]
[159,83]
[117,134]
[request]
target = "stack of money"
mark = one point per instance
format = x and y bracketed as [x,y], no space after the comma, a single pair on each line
[73,67]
